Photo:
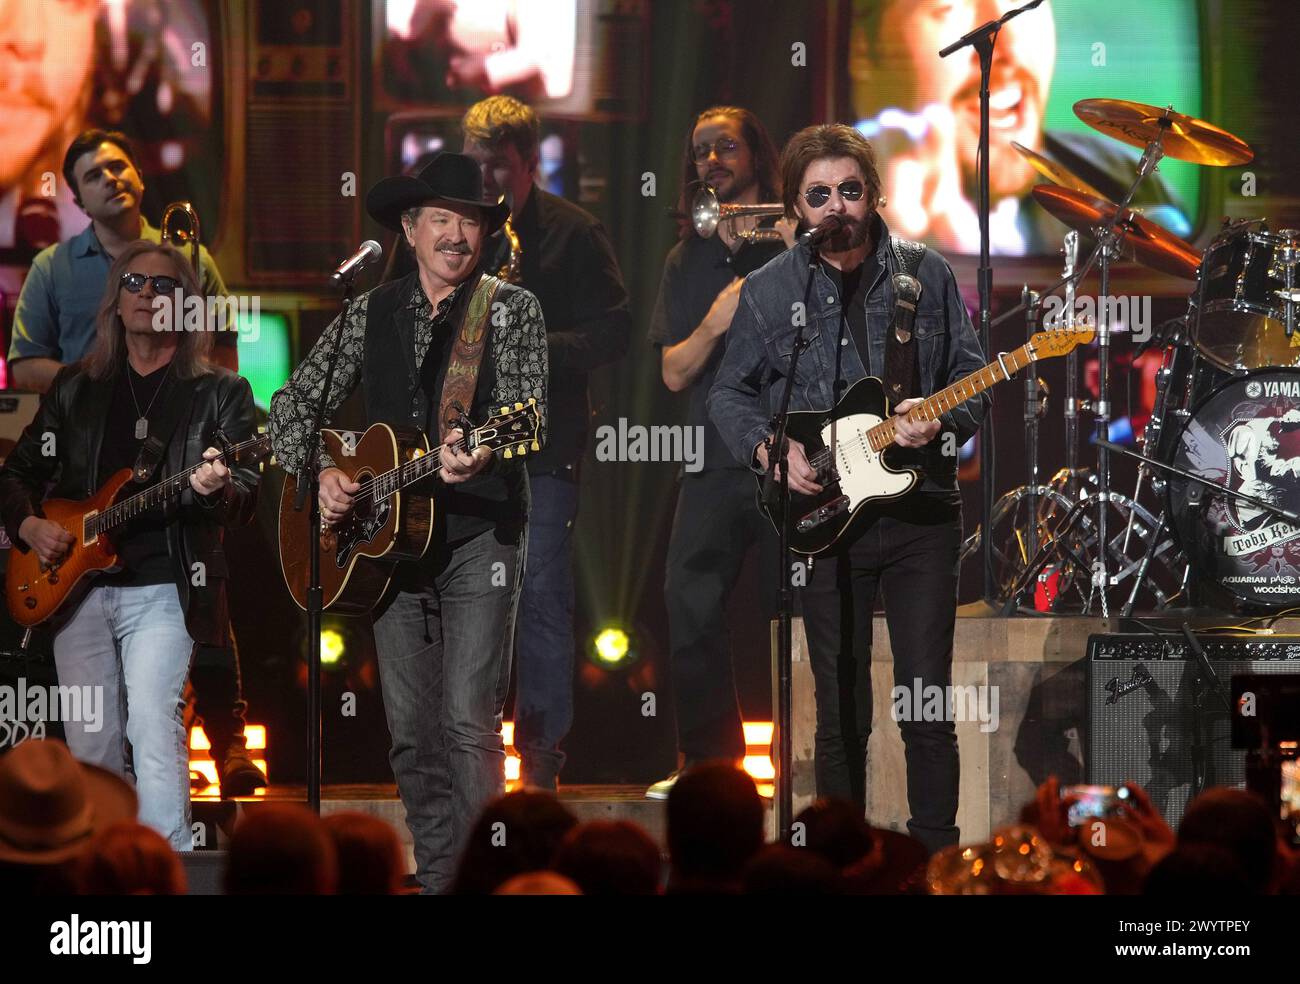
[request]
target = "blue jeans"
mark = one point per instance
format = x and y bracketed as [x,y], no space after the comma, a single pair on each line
[443,642]
[132,642]
[544,689]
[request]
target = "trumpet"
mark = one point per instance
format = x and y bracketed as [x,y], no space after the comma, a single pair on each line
[180,236]
[707,213]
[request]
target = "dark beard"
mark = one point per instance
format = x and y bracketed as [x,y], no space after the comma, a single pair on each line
[736,190]
[854,234]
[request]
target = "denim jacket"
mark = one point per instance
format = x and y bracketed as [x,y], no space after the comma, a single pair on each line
[761,339]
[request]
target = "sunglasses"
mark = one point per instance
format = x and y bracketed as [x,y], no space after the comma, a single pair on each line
[723,147]
[819,194]
[134,282]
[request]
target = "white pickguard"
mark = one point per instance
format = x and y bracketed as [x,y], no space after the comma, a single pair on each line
[863,475]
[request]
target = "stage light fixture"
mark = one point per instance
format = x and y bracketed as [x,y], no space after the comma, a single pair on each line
[332,647]
[611,648]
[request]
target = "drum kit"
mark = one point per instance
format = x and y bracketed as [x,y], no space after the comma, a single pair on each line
[1210,521]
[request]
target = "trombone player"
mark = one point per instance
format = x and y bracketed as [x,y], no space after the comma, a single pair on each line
[54,326]
[729,170]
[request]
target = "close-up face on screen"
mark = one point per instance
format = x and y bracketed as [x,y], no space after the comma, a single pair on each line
[143,66]
[922,112]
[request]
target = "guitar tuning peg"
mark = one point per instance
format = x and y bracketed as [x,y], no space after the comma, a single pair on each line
[505,409]
[536,446]
[523,450]
[519,406]
[507,453]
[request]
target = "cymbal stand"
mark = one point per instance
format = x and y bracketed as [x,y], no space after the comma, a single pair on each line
[1110,244]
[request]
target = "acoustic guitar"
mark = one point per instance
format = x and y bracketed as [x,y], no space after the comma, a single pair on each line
[385,525]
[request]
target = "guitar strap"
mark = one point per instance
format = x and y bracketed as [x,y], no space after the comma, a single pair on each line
[467,355]
[901,379]
[174,405]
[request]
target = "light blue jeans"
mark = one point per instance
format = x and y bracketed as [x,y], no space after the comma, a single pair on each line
[132,642]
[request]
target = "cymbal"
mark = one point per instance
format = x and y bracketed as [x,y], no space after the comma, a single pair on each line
[1184,137]
[1144,241]
[1054,172]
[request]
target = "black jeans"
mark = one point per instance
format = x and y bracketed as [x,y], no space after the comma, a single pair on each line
[910,552]
[716,522]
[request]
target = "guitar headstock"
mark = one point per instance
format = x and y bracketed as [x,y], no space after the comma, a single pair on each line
[1061,341]
[250,452]
[514,430]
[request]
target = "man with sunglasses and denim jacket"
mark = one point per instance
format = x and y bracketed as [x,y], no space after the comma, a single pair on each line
[907,549]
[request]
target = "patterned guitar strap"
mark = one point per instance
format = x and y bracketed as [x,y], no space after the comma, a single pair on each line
[900,350]
[466,355]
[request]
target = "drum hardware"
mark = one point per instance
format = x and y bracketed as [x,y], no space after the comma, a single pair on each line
[1035,404]
[1195,497]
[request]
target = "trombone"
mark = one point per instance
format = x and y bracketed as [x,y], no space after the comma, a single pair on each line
[180,237]
[707,213]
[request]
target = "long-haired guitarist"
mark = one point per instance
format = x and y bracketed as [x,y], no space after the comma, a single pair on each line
[149,400]
[440,335]
[905,548]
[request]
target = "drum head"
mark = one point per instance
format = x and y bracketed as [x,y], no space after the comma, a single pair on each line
[1245,436]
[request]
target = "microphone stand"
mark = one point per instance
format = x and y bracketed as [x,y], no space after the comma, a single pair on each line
[309,486]
[982,39]
[776,492]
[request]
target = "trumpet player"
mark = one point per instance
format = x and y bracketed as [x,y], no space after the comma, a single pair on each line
[715,525]
[562,255]
[54,326]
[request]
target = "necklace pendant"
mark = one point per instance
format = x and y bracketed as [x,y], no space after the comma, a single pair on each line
[142,428]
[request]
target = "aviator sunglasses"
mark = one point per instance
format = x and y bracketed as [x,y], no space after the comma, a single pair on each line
[819,194]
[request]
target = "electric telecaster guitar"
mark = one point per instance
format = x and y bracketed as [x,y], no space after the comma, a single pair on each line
[385,525]
[34,592]
[859,473]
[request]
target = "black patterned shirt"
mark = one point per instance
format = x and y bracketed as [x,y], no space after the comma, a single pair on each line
[513,369]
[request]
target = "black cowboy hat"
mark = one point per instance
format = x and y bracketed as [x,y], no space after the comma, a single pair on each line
[448,177]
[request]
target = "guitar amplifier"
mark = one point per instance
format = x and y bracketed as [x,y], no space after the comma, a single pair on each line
[1140,710]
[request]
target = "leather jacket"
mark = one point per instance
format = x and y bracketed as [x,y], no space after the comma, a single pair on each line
[75,412]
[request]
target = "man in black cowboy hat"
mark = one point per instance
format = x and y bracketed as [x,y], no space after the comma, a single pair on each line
[443,635]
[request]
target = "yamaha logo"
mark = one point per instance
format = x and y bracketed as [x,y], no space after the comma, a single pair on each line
[1254,390]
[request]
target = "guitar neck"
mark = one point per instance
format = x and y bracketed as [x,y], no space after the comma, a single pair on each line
[932,407]
[409,472]
[132,506]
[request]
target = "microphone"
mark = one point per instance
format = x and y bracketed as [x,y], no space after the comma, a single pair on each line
[349,268]
[907,291]
[824,230]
